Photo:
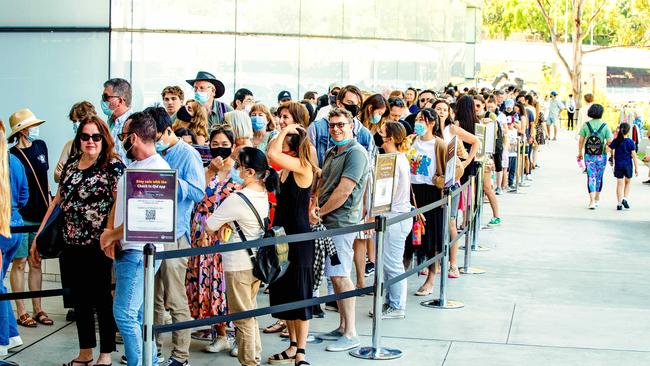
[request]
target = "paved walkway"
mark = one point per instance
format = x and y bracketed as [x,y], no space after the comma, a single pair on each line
[564,286]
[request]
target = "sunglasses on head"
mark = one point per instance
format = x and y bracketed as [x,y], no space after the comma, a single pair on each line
[86,137]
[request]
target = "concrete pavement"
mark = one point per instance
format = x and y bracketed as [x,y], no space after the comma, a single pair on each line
[564,286]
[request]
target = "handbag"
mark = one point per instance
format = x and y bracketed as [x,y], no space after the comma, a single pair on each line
[419,222]
[272,261]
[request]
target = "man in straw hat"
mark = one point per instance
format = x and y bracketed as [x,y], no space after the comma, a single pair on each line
[32,153]
[206,91]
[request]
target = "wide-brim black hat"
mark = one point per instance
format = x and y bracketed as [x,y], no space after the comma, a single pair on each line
[206,76]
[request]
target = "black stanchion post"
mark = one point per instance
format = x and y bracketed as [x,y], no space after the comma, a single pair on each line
[467,265]
[442,302]
[147,328]
[376,352]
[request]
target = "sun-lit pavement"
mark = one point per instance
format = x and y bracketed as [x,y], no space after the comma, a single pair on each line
[564,286]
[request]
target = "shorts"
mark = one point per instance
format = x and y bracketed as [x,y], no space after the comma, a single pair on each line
[345,252]
[26,242]
[624,171]
[551,120]
[498,162]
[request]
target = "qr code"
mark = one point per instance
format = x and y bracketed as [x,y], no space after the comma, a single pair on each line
[150,215]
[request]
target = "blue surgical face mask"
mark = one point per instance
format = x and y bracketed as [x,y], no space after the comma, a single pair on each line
[201,97]
[259,123]
[234,175]
[75,127]
[376,118]
[420,129]
[340,143]
[161,146]
[106,109]
[33,134]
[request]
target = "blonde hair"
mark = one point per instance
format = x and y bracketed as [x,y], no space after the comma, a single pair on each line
[5,191]
[241,124]
[397,132]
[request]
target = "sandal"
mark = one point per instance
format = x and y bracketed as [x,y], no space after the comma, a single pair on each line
[42,318]
[78,362]
[423,291]
[276,327]
[283,357]
[285,333]
[301,362]
[26,321]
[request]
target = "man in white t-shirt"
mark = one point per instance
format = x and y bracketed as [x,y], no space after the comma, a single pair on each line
[138,139]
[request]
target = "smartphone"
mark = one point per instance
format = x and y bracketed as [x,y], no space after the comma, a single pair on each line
[227,232]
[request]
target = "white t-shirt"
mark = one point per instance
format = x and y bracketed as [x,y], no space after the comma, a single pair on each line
[423,161]
[153,162]
[402,186]
[232,209]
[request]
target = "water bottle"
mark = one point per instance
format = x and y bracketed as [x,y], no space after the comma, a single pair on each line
[581,164]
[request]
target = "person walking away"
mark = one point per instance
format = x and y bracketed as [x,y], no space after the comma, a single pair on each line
[554,108]
[625,164]
[595,137]
[570,111]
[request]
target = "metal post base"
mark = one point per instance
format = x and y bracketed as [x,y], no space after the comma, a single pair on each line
[7,363]
[435,303]
[480,248]
[382,353]
[471,270]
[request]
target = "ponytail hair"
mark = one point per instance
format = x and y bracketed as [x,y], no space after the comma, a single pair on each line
[253,158]
[300,144]
[397,132]
[623,130]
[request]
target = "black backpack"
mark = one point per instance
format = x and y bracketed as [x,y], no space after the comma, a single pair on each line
[594,144]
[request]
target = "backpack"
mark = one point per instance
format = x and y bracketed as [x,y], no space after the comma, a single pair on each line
[594,144]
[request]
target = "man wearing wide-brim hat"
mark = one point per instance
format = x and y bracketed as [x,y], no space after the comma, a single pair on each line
[206,91]
[32,153]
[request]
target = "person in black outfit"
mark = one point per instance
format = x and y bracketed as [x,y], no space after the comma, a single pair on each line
[291,152]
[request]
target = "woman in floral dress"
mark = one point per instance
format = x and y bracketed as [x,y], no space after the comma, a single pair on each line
[205,283]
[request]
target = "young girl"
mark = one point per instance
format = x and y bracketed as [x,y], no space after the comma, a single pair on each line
[624,154]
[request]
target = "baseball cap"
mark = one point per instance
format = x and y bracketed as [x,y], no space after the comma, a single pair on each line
[553,93]
[284,95]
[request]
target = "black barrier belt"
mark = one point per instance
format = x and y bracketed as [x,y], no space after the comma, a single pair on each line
[264,242]
[35,294]
[24,229]
[259,312]
[413,270]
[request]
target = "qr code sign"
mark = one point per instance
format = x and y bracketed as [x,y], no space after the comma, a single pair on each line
[150,215]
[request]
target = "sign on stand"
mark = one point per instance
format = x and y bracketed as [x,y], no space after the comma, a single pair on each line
[150,206]
[450,171]
[490,136]
[384,183]
[480,134]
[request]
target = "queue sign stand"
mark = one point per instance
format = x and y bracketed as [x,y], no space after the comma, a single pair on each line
[382,199]
[149,218]
[483,133]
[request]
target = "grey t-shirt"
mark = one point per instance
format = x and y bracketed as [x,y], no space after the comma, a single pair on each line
[351,163]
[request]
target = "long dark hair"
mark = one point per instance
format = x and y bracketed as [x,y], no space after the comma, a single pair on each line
[466,113]
[448,120]
[253,158]
[108,144]
[299,143]
[430,116]
[375,101]
[623,130]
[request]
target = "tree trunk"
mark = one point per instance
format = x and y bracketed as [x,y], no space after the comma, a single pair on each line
[576,78]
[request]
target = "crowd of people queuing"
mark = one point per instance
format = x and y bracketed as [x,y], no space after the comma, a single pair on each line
[298,164]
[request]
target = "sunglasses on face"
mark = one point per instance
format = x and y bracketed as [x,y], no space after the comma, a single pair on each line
[122,136]
[338,125]
[106,97]
[86,137]
[426,100]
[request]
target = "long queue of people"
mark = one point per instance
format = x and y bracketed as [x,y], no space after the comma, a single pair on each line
[297,164]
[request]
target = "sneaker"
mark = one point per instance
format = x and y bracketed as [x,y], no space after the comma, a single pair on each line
[174,362]
[317,312]
[524,184]
[597,204]
[234,351]
[496,221]
[70,316]
[330,336]
[619,207]
[222,343]
[15,342]
[529,177]
[343,344]
[332,306]
[383,308]
[512,189]
[4,351]
[159,355]
[392,313]
[647,181]
[453,272]
[592,205]
[625,204]
[370,269]
[498,191]
[203,335]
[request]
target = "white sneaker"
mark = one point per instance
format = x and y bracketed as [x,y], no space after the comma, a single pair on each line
[597,203]
[234,351]
[220,344]
[529,177]
[592,206]
[4,351]
[392,313]
[15,342]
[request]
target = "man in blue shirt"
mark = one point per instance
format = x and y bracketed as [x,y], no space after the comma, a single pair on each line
[170,280]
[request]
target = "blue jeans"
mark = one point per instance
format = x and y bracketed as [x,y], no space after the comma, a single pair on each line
[128,305]
[512,170]
[394,241]
[8,246]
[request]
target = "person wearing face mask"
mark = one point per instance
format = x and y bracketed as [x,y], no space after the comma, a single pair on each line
[263,127]
[32,153]
[373,111]
[206,91]
[427,159]
[350,99]
[327,101]
[116,105]
[205,281]
[170,280]
[138,138]
[397,110]
[243,100]
[195,118]
[78,113]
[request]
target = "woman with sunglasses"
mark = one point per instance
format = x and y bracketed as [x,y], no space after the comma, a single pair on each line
[86,194]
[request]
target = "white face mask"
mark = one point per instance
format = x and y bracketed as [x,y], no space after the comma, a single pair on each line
[247,108]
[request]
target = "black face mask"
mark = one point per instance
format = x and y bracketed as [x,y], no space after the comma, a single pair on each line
[224,152]
[332,99]
[352,108]
[184,115]
[128,147]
